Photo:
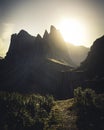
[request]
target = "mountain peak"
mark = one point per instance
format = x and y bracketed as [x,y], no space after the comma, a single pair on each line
[38,36]
[23,32]
[98,44]
[99,39]
[24,36]
[52,29]
[45,34]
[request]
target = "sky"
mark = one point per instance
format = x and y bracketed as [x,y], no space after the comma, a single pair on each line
[35,16]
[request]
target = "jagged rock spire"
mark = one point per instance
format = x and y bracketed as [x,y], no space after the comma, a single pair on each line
[52,29]
[46,35]
[38,37]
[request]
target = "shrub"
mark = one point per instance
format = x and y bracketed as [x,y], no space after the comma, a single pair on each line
[24,112]
[89,106]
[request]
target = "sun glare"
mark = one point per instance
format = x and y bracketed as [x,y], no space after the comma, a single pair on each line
[72,31]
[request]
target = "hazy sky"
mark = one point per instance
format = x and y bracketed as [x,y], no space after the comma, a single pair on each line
[37,15]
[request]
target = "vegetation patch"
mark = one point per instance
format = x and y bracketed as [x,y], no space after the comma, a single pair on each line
[89,108]
[36,112]
[32,112]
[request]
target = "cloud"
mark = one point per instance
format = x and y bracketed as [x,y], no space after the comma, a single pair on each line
[2,50]
[7,30]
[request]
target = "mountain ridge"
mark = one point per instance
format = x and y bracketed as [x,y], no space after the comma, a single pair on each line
[43,65]
[26,67]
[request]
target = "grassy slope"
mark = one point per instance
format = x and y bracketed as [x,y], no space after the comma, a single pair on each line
[68,116]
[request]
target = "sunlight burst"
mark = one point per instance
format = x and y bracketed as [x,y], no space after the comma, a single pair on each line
[72,31]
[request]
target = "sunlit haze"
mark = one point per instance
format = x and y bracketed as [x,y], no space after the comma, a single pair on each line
[80,21]
[73,31]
